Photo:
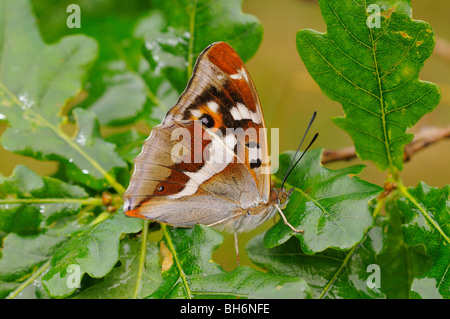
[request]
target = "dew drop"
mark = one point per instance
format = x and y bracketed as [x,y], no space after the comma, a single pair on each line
[81,139]
[26,102]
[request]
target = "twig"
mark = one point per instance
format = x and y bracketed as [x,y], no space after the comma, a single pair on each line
[426,136]
[343,154]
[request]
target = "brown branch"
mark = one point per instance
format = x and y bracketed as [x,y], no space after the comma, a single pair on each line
[426,136]
[343,154]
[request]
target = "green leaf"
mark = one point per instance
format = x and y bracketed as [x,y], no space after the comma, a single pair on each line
[21,256]
[42,76]
[113,82]
[120,283]
[192,274]
[29,201]
[128,144]
[95,250]
[246,282]
[373,73]
[427,212]
[126,78]
[331,206]
[399,262]
[330,274]
[122,76]
[84,171]
[36,81]
[174,47]
[123,99]
[25,258]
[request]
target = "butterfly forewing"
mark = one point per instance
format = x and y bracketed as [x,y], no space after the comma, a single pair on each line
[222,95]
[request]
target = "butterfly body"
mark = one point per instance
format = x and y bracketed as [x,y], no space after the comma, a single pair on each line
[207,162]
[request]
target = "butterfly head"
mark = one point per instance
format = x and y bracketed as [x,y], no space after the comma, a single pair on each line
[283,197]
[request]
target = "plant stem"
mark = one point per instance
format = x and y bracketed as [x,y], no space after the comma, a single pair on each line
[142,254]
[338,272]
[82,201]
[27,282]
[175,258]
[380,205]
[100,218]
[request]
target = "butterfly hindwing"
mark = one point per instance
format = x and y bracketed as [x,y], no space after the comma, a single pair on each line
[178,194]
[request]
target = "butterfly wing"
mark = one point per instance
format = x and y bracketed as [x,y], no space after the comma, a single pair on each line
[219,173]
[221,94]
[170,185]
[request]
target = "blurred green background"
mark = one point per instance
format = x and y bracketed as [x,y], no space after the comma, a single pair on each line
[287,92]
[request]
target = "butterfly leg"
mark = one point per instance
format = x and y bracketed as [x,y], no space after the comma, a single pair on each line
[301,231]
[237,249]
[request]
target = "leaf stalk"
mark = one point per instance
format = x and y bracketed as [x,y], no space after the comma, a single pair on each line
[144,238]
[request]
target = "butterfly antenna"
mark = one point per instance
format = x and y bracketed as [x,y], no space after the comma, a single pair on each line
[292,165]
[289,172]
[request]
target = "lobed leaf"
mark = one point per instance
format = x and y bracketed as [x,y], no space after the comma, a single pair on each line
[128,144]
[331,206]
[94,250]
[113,91]
[120,283]
[125,84]
[427,212]
[28,257]
[330,274]
[373,72]
[182,36]
[101,164]
[189,272]
[28,201]
[399,262]
[36,81]
[125,88]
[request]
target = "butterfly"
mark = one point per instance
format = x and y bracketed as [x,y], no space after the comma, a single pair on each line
[194,168]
